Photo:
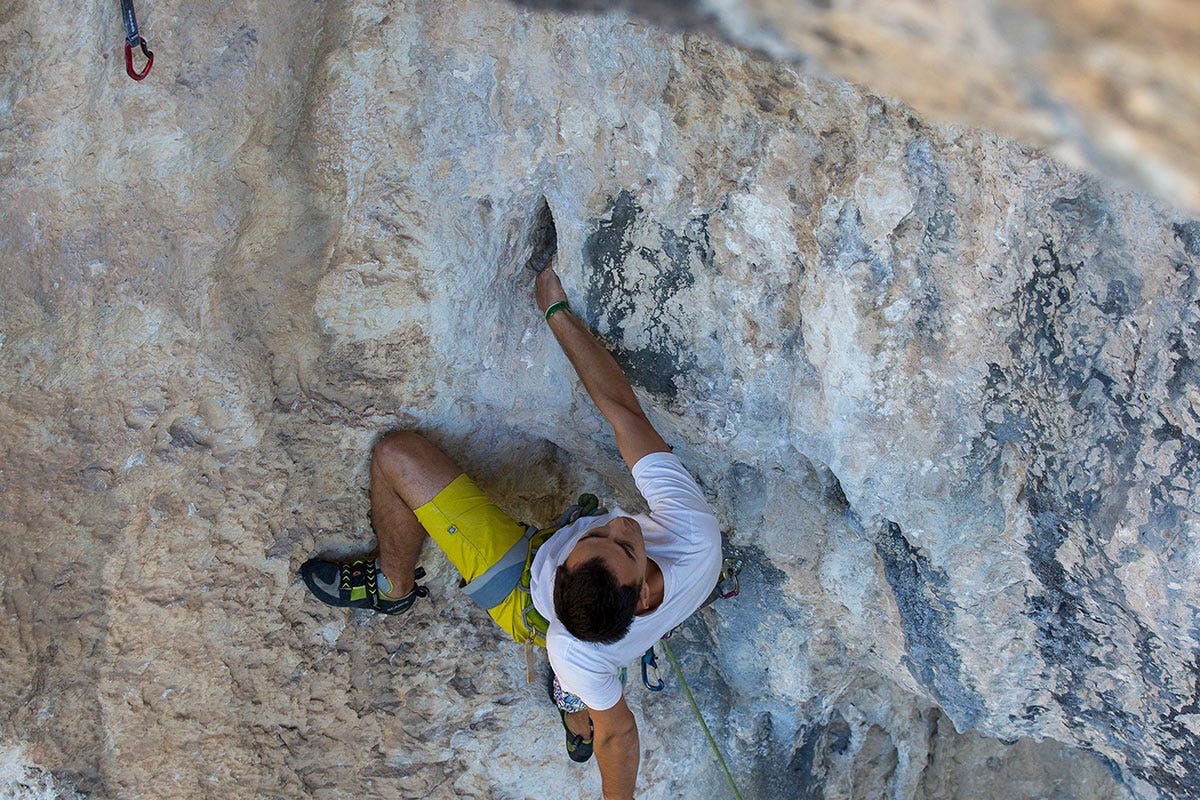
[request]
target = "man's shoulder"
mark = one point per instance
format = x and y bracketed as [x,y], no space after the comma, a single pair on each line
[659,459]
[664,475]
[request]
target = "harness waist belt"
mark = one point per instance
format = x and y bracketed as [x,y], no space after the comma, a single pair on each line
[497,583]
[513,572]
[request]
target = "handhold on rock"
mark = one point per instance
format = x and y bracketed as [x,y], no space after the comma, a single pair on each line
[544,239]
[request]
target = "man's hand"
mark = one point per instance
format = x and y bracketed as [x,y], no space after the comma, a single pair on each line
[547,288]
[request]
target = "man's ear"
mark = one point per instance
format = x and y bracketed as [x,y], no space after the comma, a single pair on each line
[643,603]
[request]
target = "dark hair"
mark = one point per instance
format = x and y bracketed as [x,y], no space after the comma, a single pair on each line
[591,604]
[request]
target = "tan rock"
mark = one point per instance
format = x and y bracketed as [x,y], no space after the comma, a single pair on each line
[920,372]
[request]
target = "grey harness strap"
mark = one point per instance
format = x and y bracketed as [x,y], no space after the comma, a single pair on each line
[490,588]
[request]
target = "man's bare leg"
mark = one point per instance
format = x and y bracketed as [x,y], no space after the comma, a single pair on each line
[407,471]
[580,723]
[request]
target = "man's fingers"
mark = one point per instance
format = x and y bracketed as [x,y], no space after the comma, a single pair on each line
[548,278]
[548,288]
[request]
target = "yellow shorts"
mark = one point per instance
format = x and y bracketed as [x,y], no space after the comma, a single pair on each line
[474,534]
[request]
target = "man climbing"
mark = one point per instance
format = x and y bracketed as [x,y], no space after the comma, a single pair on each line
[606,587]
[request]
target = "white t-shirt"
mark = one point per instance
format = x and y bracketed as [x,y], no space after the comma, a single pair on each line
[682,537]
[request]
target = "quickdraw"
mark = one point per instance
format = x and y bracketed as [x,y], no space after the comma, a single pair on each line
[650,665]
[134,39]
[727,587]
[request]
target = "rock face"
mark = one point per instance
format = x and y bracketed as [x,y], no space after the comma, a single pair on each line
[1110,86]
[941,389]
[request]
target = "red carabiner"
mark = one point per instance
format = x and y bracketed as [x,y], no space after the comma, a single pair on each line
[137,76]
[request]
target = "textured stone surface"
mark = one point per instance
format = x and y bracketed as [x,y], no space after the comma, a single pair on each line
[941,389]
[1109,85]
[21,779]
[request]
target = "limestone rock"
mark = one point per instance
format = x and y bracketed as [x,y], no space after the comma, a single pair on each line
[941,390]
[1110,86]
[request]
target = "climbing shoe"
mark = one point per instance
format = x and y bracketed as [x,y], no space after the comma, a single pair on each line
[579,749]
[354,584]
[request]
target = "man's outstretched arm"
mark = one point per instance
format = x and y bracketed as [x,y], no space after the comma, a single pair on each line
[603,378]
[616,747]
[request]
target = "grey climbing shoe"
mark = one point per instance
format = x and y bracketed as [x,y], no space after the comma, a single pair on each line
[353,584]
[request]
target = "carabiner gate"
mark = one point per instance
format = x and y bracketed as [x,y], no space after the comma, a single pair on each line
[728,585]
[650,663]
[137,76]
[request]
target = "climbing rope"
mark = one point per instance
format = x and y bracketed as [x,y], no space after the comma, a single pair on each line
[696,710]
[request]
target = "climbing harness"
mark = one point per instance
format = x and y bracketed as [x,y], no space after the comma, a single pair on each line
[588,506]
[515,570]
[133,39]
[487,591]
[535,623]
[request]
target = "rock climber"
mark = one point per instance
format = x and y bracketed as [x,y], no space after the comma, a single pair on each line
[609,586]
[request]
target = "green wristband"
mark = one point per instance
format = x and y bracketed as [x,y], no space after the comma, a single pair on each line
[561,305]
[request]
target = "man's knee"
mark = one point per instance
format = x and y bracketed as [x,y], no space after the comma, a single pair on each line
[397,452]
[412,466]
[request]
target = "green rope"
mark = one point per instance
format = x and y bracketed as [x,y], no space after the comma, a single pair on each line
[696,710]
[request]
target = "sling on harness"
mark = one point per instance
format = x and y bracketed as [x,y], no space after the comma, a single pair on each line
[133,38]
